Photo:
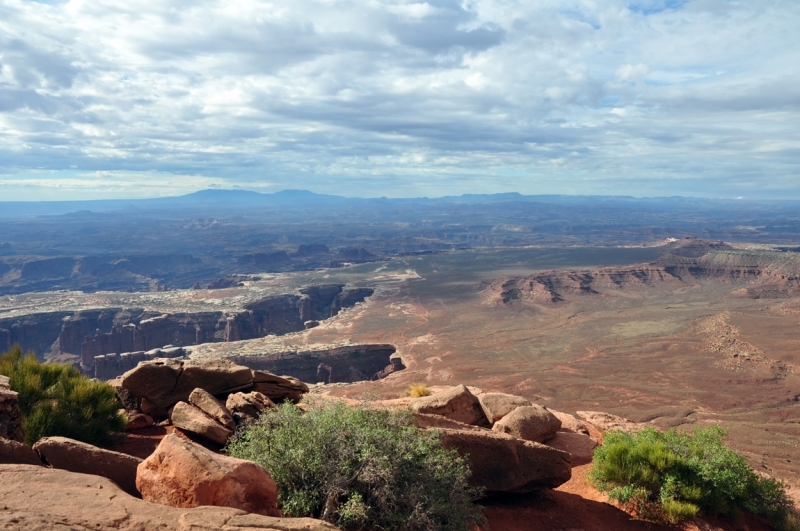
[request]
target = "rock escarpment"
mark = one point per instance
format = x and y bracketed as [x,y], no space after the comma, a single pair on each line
[136,332]
[764,274]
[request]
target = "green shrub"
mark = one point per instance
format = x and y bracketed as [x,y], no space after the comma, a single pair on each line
[674,476]
[57,400]
[360,468]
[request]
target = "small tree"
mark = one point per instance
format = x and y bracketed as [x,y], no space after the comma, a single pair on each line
[57,400]
[360,468]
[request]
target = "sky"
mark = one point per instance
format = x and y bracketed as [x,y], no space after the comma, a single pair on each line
[146,98]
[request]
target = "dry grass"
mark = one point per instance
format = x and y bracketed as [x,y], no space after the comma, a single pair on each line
[417,390]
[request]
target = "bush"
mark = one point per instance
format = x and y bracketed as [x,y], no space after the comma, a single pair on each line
[360,468]
[57,400]
[417,390]
[674,476]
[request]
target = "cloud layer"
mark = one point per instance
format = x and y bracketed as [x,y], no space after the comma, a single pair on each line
[106,98]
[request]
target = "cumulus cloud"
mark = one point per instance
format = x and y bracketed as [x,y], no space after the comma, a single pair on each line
[401,97]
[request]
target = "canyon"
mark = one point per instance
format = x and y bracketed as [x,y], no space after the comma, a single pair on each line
[106,342]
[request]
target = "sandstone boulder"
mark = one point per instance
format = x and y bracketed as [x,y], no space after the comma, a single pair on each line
[10,414]
[212,407]
[579,446]
[17,453]
[190,418]
[129,401]
[76,456]
[148,408]
[278,388]
[137,421]
[497,405]
[183,474]
[570,422]
[456,403]
[501,463]
[603,422]
[42,499]
[165,382]
[531,423]
[247,407]
[427,421]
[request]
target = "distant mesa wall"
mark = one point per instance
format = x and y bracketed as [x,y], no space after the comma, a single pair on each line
[762,274]
[356,254]
[264,259]
[47,268]
[310,249]
[351,363]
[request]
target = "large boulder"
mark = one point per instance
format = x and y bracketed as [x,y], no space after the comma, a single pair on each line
[600,422]
[427,421]
[570,422]
[278,388]
[190,418]
[165,382]
[10,414]
[501,463]
[497,405]
[212,407]
[42,499]
[247,407]
[17,453]
[531,423]
[130,402]
[579,446]
[138,421]
[76,456]
[183,474]
[456,403]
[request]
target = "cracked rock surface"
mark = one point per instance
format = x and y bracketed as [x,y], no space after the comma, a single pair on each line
[38,499]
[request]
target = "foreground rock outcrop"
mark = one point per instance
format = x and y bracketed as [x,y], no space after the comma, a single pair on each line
[497,405]
[165,382]
[10,414]
[42,499]
[247,407]
[183,474]
[456,403]
[600,422]
[76,456]
[531,423]
[17,453]
[502,463]
[192,419]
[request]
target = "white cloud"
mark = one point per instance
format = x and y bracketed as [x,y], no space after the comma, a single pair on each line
[384,97]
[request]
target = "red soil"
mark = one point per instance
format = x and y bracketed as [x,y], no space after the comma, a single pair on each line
[577,506]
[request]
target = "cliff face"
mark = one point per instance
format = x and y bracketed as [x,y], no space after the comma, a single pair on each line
[93,333]
[351,363]
[35,332]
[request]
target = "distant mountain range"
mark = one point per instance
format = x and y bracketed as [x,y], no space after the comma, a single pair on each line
[246,199]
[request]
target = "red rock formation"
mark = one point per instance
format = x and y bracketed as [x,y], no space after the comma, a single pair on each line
[184,474]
